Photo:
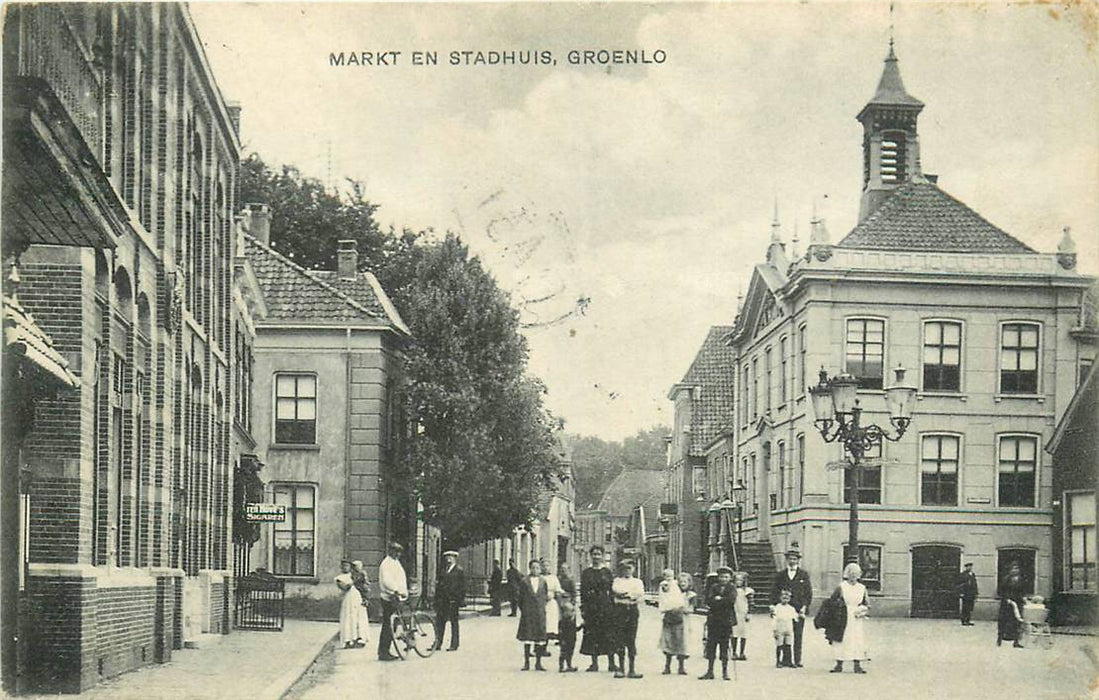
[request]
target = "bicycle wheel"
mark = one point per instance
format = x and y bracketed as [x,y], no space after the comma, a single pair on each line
[423,627]
[396,626]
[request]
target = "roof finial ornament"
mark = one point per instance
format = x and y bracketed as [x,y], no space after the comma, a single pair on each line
[1066,250]
[775,224]
[794,243]
[892,56]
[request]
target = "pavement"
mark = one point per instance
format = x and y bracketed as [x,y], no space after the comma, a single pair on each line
[910,659]
[243,664]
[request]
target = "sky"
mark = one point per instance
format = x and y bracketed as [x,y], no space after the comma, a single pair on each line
[623,206]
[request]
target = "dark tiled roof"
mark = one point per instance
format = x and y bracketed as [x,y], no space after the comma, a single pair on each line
[1090,320]
[712,370]
[292,293]
[631,488]
[891,90]
[920,216]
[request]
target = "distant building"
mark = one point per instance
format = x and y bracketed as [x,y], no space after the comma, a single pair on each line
[703,408]
[990,333]
[608,523]
[549,536]
[328,360]
[121,161]
[1075,451]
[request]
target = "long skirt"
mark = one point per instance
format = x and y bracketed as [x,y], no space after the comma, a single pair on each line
[673,635]
[853,646]
[597,640]
[1007,626]
[552,617]
[352,617]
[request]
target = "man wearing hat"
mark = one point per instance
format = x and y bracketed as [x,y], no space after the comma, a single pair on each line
[967,591]
[393,588]
[450,596]
[794,579]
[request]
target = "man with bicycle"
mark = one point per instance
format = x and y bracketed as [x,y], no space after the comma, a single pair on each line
[393,586]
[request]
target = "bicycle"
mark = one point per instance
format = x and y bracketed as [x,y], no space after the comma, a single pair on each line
[413,627]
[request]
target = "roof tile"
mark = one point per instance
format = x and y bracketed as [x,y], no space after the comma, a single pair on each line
[712,371]
[920,216]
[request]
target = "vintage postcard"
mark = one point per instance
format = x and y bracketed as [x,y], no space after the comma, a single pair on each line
[492,349]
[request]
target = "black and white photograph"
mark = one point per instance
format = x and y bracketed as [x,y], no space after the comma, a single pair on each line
[550,350]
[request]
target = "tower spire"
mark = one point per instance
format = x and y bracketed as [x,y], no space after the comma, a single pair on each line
[891,148]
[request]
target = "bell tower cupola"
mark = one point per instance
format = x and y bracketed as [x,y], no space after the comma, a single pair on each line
[890,143]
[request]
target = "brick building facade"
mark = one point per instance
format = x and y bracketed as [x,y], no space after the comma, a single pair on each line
[127,477]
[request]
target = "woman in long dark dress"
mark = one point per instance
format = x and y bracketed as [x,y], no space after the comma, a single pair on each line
[533,595]
[595,606]
[1011,593]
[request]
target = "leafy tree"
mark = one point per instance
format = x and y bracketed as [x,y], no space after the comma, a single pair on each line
[596,462]
[481,446]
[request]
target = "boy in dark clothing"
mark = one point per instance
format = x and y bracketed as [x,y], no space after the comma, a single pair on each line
[719,622]
[566,635]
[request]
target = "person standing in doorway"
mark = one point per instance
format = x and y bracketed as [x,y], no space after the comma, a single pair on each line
[496,588]
[514,579]
[393,587]
[796,580]
[967,591]
[595,608]
[450,595]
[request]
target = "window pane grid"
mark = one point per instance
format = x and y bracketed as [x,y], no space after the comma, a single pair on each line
[942,356]
[296,409]
[1017,467]
[865,351]
[1019,358]
[293,538]
[939,470]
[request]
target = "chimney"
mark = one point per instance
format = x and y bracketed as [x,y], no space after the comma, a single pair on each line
[347,259]
[234,116]
[257,221]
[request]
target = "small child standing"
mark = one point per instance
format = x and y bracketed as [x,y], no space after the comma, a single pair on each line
[566,633]
[740,631]
[672,604]
[720,620]
[784,616]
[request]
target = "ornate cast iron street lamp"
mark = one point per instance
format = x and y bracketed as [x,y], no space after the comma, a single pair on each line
[838,418]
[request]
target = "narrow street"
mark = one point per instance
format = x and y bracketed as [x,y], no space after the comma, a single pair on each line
[911,659]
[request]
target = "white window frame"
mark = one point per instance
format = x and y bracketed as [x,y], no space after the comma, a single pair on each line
[919,466]
[1037,467]
[884,346]
[316,539]
[803,360]
[1000,353]
[1066,558]
[881,481]
[961,357]
[880,546]
[275,406]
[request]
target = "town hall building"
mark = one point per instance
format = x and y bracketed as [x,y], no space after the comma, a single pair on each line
[987,329]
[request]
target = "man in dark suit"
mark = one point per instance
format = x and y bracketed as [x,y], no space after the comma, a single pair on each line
[495,588]
[450,595]
[795,580]
[967,591]
[514,579]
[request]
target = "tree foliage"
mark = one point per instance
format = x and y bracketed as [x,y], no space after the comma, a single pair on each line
[480,448]
[596,462]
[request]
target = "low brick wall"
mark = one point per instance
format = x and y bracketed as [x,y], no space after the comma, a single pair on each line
[125,628]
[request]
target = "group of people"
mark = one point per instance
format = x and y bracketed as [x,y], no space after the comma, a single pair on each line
[609,609]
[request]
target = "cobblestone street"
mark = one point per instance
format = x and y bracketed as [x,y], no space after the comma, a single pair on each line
[910,659]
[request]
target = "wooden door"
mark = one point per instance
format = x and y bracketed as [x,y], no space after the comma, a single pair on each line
[934,579]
